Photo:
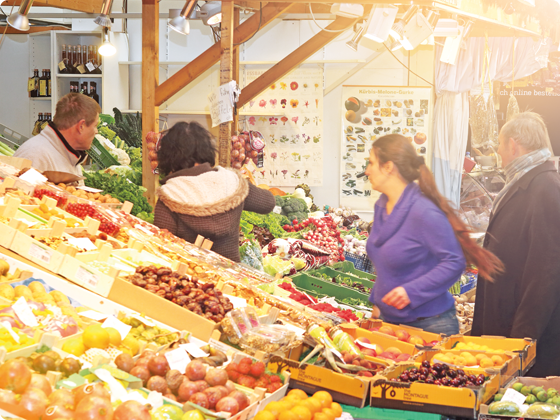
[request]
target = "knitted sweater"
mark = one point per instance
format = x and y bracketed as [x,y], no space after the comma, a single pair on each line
[208,201]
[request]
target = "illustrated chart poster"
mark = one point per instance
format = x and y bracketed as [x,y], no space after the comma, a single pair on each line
[289,115]
[369,112]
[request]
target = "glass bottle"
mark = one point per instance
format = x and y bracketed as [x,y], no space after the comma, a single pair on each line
[63,65]
[49,83]
[43,84]
[91,60]
[79,67]
[84,88]
[98,61]
[84,57]
[33,84]
[93,91]
[74,60]
[37,125]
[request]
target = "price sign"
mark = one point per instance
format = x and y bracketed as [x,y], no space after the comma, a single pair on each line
[90,67]
[120,326]
[237,302]
[193,350]
[96,316]
[24,312]
[40,253]
[86,276]
[178,359]
[221,105]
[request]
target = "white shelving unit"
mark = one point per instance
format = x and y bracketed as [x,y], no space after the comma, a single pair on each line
[45,53]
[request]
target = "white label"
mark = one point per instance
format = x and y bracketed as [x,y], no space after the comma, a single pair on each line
[120,326]
[193,350]
[299,331]
[40,253]
[366,345]
[178,359]
[90,66]
[237,302]
[33,177]
[221,107]
[219,345]
[277,209]
[143,229]
[27,222]
[89,189]
[82,243]
[144,321]
[24,312]
[96,316]
[86,276]
[514,396]
[8,326]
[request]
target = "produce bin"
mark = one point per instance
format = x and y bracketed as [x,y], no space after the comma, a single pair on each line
[361,262]
[428,337]
[307,282]
[333,273]
[348,267]
[101,156]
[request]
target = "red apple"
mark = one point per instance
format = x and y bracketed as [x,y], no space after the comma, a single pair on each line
[403,357]
[402,335]
[416,339]
[387,330]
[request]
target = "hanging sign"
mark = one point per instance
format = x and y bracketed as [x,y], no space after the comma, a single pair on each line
[222,101]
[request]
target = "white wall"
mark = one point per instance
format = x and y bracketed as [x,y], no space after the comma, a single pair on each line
[271,43]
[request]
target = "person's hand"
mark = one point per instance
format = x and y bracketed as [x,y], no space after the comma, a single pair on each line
[397,298]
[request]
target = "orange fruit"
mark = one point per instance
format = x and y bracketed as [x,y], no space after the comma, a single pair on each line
[321,416]
[95,336]
[337,409]
[315,403]
[264,415]
[299,393]
[292,399]
[302,413]
[324,397]
[131,344]
[290,402]
[329,412]
[288,415]
[74,346]
[309,405]
[275,407]
[114,336]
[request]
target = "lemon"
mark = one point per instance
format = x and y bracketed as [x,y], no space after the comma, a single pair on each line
[114,336]
[74,346]
[95,336]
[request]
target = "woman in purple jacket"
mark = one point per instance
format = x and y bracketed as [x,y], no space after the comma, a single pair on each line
[418,244]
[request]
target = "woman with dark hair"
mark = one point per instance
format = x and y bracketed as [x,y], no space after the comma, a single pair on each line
[199,198]
[418,243]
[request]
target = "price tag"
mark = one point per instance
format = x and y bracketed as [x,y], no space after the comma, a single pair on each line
[33,177]
[237,302]
[61,66]
[8,326]
[90,67]
[83,243]
[31,84]
[219,345]
[86,276]
[193,350]
[367,345]
[514,396]
[96,316]
[277,209]
[89,189]
[178,359]
[24,312]
[144,321]
[120,326]
[81,69]
[40,253]
[111,145]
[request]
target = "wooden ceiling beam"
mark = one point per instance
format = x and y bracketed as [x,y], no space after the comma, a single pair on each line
[86,6]
[294,59]
[212,55]
[34,29]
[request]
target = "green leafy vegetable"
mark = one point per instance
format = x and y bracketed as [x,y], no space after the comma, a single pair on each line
[272,221]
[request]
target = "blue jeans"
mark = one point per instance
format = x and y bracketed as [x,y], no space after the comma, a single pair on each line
[444,323]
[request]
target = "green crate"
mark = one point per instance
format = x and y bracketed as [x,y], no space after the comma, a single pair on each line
[313,284]
[329,271]
[101,156]
[387,414]
[348,267]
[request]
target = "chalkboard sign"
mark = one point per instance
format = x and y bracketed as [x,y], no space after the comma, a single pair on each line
[542,100]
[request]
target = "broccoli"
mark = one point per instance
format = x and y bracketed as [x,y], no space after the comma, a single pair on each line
[295,208]
[106,132]
[279,200]
[299,216]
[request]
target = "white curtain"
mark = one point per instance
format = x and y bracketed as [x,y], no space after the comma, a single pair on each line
[453,84]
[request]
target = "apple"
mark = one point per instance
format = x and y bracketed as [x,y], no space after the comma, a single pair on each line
[387,330]
[403,357]
[369,352]
[393,350]
[416,339]
[364,340]
[387,355]
[402,335]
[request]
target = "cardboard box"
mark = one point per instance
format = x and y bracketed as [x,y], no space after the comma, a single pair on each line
[383,340]
[526,348]
[165,311]
[428,337]
[550,382]
[344,389]
[509,370]
[417,396]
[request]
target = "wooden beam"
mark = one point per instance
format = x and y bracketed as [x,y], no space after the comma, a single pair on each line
[34,29]
[212,55]
[235,70]
[150,80]
[226,75]
[294,59]
[87,6]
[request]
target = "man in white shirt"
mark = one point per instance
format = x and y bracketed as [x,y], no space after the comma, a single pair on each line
[61,146]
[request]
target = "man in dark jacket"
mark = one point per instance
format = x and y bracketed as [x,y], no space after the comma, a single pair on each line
[524,232]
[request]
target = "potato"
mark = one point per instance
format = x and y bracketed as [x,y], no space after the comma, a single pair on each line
[101,199]
[71,190]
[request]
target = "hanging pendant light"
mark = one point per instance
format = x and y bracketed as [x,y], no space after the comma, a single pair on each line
[103,19]
[211,13]
[19,19]
[353,43]
[181,23]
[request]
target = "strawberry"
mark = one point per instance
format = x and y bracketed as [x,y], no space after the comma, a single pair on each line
[233,375]
[261,383]
[266,377]
[257,369]
[247,381]
[244,368]
[232,366]
[274,378]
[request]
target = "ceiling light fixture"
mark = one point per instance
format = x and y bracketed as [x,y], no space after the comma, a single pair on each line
[103,19]
[106,49]
[181,23]
[380,22]
[416,31]
[349,10]
[353,43]
[446,27]
[211,13]
[453,45]
[19,19]
[398,27]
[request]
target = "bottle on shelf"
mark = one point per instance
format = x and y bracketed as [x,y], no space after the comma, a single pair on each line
[91,60]
[85,58]
[79,64]
[97,60]
[49,83]
[37,126]
[33,84]
[63,64]
[93,91]
[74,87]
[45,121]
[74,60]
[43,83]
[84,88]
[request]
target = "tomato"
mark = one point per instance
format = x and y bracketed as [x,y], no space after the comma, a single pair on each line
[14,376]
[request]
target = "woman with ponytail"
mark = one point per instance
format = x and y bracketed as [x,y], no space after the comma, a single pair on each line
[418,243]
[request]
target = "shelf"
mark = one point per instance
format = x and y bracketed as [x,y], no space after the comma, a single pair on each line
[41,99]
[81,76]
[166,112]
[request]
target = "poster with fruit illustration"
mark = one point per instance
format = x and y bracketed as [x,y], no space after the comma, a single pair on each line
[289,115]
[369,112]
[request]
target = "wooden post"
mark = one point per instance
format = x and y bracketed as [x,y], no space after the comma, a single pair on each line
[150,81]
[235,69]
[226,74]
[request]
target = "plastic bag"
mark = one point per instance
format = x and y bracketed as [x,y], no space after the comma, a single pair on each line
[250,253]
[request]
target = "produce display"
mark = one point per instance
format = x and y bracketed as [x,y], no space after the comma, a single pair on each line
[98,197]
[441,374]
[538,403]
[251,373]
[298,405]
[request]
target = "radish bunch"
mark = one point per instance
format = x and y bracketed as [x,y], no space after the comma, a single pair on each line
[324,233]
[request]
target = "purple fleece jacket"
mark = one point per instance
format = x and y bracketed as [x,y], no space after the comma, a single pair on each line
[414,247]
